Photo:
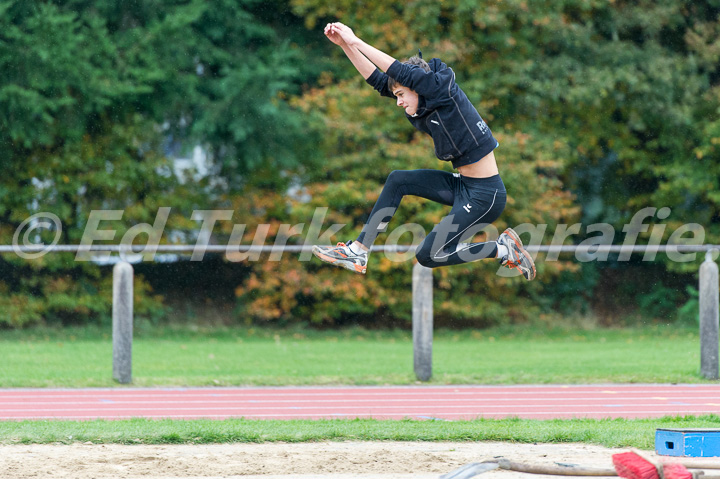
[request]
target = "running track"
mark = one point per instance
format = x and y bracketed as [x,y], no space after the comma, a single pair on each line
[414,402]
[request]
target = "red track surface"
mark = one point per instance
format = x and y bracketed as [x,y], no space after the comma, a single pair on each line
[416,402]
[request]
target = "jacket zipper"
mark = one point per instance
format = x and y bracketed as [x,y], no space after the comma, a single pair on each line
[460,111]
[448,134]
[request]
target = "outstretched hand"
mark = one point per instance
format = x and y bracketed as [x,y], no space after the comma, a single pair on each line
[332,35]
[365,57]
[339,33]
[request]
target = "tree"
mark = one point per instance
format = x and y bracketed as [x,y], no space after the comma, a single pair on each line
[92,95]
[365,139]
[602,100]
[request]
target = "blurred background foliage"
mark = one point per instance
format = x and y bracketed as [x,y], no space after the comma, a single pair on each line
[601,108]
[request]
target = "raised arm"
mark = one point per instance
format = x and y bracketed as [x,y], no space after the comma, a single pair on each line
[362,64]
[377,57]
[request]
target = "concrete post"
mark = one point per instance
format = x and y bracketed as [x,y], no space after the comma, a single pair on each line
[122,322]
[709,318]
[422,318]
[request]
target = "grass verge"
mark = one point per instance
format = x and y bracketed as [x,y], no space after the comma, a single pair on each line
[225,357]
[638,433]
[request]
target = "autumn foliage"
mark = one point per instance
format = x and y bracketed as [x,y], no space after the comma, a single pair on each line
[601,108]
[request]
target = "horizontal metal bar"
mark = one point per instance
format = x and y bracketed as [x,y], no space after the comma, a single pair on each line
[167,248]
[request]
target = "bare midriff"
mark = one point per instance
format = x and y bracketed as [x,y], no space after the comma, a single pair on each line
[483,168]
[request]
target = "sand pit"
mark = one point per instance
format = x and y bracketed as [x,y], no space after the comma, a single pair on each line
[343,460]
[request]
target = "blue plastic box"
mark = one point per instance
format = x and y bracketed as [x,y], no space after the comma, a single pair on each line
[688,442]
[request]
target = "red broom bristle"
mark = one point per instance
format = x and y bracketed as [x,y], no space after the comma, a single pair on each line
[676,471]
[631,466]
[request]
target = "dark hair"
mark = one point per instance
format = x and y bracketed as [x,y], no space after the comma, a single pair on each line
[415,60]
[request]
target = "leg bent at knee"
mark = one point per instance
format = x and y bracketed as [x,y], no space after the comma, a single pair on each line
[425,256]
[398,177]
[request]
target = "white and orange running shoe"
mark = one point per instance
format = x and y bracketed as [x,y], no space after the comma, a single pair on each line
[341,255]
[517,257]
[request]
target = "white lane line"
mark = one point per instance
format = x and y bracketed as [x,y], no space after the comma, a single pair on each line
[562,407]
[363,390]
[345,399]
[468,415]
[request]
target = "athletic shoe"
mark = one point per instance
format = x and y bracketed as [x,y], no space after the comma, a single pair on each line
[517,257]
[341,255]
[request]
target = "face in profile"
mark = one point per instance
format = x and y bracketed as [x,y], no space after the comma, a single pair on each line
[407,99]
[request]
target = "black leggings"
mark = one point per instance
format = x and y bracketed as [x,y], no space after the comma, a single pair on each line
[476,202]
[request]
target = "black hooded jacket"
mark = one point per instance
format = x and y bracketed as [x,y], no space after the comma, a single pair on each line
[444,111]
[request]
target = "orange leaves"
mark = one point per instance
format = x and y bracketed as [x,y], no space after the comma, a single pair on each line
[306,292]
[367,137]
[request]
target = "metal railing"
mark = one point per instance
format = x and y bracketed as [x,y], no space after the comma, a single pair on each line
[422,291]
[184,248]
[709,292]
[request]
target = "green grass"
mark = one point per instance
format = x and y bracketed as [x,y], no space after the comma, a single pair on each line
[198,357]
[82,357]
[608,432]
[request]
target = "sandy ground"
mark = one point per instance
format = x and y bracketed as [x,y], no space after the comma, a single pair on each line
[342,460]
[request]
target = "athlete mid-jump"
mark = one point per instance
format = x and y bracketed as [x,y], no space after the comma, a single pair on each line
[436,105]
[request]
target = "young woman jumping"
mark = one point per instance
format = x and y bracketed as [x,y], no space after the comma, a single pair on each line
[436,105]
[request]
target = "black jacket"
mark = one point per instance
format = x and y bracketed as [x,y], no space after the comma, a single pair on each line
[444,111]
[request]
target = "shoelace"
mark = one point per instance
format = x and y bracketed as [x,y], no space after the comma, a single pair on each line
[512,264]
[344,245]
